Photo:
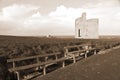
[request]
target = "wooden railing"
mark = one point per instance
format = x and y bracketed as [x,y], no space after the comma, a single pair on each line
[68,55]
[44,64]
[79,50]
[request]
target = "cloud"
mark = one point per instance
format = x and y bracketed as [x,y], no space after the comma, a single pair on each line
[17,11]
[28,20]
[108,19]
[49,5]
[101,3]
[12,18]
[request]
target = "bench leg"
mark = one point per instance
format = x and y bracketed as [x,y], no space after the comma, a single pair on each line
[56,57]
[18,75]
[95,52]
[63,64]
[44,70]
[74,61]
[85,55]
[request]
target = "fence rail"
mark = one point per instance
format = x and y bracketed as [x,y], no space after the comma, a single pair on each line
[32,57]
[68,55]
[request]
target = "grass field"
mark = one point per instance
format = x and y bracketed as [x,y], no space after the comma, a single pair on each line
[14,47]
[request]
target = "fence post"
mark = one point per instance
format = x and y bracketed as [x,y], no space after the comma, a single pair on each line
[44,70]
[18,75]
[56,57]
[46,58]
[66,52]
[38,63]
[63,64]
[74,61]
[95,52]
[78,48]
[86,54]
[44,67]
[13,65]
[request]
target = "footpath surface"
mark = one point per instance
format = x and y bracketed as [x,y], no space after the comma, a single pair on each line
[97,67]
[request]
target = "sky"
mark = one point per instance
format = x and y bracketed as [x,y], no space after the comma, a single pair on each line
[56,17]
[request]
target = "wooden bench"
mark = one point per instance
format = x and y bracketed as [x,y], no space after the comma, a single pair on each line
[68,55]
[79,50]
[44,64]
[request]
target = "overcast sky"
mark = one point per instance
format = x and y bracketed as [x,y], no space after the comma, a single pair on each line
[56,17]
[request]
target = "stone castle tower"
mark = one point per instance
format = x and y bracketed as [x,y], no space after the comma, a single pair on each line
[86,29]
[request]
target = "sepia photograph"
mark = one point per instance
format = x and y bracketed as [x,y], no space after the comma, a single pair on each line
[59,39]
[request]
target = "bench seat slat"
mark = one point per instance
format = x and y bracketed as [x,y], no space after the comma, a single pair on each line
[36,65]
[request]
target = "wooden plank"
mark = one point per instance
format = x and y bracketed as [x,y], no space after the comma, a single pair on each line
[36,65]
[67,47]
[80,51]
[75,46]
[31,57]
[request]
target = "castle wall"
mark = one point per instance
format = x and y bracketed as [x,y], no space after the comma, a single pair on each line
[86,29]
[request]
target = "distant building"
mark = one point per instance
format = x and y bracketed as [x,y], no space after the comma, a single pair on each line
[86,29]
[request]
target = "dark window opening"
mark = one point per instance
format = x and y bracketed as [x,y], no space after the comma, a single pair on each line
[79,33]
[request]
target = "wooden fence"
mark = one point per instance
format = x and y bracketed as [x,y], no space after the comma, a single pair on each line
[71,52]
[79,50]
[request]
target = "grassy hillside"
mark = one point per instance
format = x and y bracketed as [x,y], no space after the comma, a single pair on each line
[14,47]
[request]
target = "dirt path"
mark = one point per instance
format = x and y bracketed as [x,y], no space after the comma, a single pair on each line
[97,67]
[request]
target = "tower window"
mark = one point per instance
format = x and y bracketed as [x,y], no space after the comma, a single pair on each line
[79,33]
